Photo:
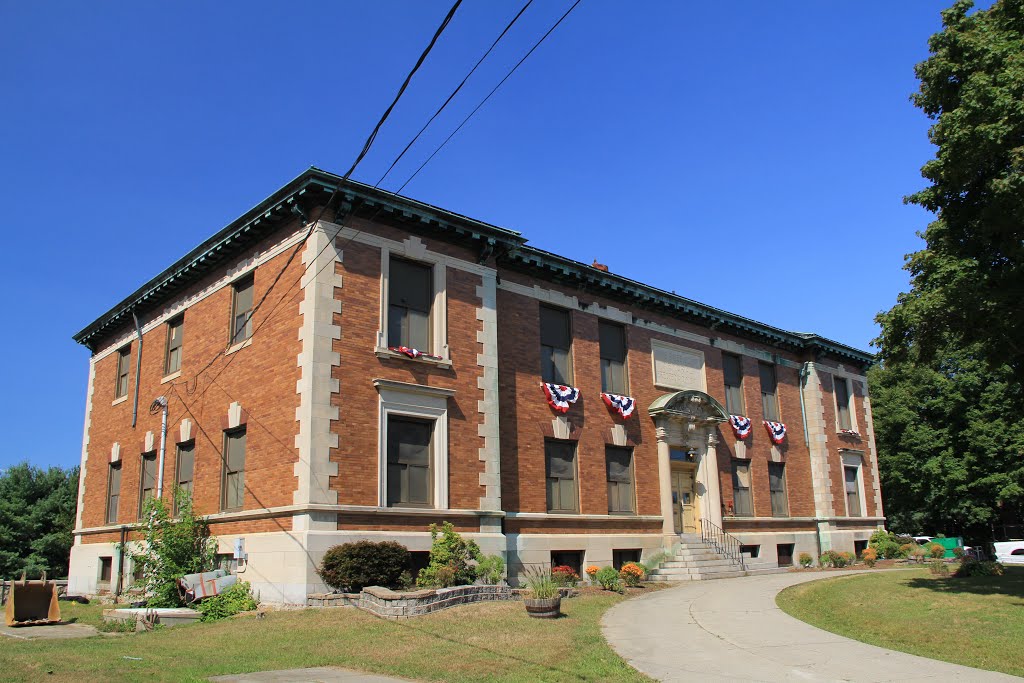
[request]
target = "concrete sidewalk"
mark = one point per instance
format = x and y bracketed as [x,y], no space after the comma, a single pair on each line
[731,630]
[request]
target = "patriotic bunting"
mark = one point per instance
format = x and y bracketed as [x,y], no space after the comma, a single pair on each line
[776,430]
[740,426]
[560,396]
[623,404]
[413,353]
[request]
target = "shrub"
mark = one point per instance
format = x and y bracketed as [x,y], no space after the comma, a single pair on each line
[973,567]
[170,549]
[608,578]
[907,549]
[541,584]
[491,569]
[450,557]
[354,566]
[885,544]
[592,571]
[632,574]
[237,598]
[806,560]
[917,554]
[936,551]
[938,567]
[565,576]
[958,553]
[870,556]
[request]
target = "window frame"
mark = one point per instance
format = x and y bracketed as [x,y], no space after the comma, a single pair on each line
[404,399]
[859,481]
[784,490]
[631,469]
[175,323]
[105,566]
[605,388]
[226,472]
[431,298]
[574,447]
[114,466]
[733,410]
[777,414]
[848,407]
[145,462]
[736,464]
[547,351]
[123,354]
[190,446]
[431,458]
[246,281]
[414,251]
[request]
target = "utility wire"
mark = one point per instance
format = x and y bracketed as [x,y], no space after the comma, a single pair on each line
[454,92]
[419,62]
[484,101]
[359,158]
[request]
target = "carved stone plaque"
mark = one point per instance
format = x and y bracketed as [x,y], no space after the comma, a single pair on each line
[676,367]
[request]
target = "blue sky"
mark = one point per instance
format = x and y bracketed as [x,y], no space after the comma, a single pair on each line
[749,155]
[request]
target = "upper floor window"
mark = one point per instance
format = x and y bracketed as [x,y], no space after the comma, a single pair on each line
[732,371]
[184,472]
[555,345]
[241,310]
[769,397]
[113,491]
[147,480]
[175,332]
[410,299]
[233,479]
[612,340]
[123,360]
[409,461]
[619,465]
[842,392]
[560,466]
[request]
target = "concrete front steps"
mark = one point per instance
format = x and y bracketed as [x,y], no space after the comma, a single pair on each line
[695,560]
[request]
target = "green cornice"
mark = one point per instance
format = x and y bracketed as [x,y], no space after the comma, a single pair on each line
[314,187]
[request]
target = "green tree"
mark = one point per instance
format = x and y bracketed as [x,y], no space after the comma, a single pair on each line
[170,549]
[37,516]
[947,395]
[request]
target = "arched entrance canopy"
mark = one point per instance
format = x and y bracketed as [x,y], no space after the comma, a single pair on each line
[690,404]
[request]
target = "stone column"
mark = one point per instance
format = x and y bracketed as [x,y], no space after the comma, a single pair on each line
[713,513]
[665,485]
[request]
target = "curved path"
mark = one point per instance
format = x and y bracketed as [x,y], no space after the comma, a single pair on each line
[732,630]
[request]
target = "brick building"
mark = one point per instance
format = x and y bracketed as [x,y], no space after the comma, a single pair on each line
[306,423]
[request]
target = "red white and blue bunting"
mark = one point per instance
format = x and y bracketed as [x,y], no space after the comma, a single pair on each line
[741,426]
[560,396]
[776,431]
[413,353]
[623,404]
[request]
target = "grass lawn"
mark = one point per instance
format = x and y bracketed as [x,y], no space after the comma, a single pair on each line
[485,641]
[973,621]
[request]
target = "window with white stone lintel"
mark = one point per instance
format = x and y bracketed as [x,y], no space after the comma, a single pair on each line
[413,302]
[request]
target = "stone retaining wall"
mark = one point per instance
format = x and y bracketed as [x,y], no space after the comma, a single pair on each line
[390,604]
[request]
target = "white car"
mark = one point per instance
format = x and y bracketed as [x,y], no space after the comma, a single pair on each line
[1011,552]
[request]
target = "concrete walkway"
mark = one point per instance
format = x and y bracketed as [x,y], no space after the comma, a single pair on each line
[731,630]
[321,674]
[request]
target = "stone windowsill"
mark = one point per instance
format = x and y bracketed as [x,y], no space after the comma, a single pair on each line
[382,352]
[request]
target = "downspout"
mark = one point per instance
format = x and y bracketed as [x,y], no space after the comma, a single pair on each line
[120,562]
[138,370]
[805,372]
[160,404]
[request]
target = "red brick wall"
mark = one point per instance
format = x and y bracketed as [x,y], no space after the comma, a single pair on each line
[261,377]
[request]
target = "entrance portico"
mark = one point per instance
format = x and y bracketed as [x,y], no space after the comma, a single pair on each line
[686,425]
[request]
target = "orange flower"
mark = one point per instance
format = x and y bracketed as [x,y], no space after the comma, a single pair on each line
[592,570]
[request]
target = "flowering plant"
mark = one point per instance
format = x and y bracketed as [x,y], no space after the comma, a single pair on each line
[632,573]
[565,576]
[592,571]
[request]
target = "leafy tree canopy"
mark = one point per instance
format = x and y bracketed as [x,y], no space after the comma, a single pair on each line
[947,396]
[37,516]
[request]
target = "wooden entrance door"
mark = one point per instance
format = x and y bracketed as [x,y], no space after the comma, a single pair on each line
[683,503]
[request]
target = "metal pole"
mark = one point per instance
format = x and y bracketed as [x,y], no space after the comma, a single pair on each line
[161,401]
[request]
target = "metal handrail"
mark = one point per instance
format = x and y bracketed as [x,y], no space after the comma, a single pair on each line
[724,542]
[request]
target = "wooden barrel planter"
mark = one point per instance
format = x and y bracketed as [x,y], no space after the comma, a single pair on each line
[549,608]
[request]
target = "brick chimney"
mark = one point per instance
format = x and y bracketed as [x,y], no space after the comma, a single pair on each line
[600,266]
